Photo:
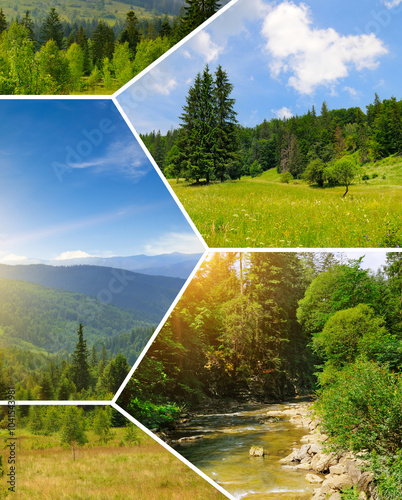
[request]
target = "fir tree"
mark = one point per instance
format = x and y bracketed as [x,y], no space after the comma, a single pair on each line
[29,24]
[82,40]
[130,32]
[3,21]
[52,29]
[80,365]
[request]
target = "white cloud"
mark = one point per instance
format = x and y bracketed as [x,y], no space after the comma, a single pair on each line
[165,88]
[13,258]
[74,254]
[174,242]
[391,3]
[314,57]
[353,92]
[121,157]
[203,45]
[283,113]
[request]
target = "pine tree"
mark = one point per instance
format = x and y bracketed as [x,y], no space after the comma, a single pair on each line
[29,24]
[82,40]
[3,21]
[52,29]
[72,432]
[196,12]
[102,43]
[80,365]
[225,135]
[131,33]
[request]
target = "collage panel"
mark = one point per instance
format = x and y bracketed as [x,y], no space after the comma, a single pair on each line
[89,47]
[278,373]
[88,452]
[278,124]
[93,250]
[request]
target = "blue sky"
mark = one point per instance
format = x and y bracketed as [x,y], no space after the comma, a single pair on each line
[75,180]
[283,57]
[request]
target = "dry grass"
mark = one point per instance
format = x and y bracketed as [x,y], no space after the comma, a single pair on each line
[141,472]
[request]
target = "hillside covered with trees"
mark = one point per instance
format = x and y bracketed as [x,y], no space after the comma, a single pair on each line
[43,307]
[268,326]
[55,55]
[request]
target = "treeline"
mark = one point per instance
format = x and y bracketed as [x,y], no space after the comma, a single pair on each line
[87,373]
[325,148]
[61,58]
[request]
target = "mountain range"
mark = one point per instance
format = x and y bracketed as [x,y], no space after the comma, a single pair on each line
[175,265]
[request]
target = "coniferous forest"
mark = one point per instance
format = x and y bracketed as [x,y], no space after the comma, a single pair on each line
[269,326]
[58,55]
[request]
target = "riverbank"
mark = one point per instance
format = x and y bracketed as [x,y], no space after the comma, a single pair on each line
[329,471]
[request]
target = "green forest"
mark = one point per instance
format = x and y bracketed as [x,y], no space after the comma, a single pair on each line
[61,55]
[39,343]
[269,326]
[325,149]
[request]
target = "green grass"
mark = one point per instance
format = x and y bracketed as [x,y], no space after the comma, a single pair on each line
[47,471]
[76,10]
[263,212]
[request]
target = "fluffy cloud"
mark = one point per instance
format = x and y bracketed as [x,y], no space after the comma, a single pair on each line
[283,113]
[314,57]
[203,45]
[74,254]
[13,258]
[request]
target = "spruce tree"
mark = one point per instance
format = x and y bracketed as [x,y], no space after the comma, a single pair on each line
[29,24]
[225,136]
[131,33]
[102,43]
[195,13]
[3,21]
[52,29]
[82,40]
[80,365]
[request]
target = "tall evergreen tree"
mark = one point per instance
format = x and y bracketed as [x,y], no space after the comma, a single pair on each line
[225,135]
[3,21]
[196,12]
[82,40]
[131,32]
[80,364]
[102,43]
[29,24]
[52,29]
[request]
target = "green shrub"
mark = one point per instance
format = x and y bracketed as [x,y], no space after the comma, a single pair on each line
[362,409]
[388,475]
[350,494]
[255,169]
[286,177]
[365,177]
[374,176]
[153,415]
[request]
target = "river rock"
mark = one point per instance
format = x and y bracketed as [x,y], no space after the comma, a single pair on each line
[336,483]
[303,453]
[274,413]
[314,479]
[322,462]
[256,451]
[335,496]
[315,448]
[290,458]
[336,470]
[189,439]
[305,466]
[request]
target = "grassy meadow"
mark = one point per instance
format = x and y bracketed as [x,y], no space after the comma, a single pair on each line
[263,212]
[142,471]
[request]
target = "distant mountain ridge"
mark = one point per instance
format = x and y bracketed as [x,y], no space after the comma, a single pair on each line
[175,265]
[147,296]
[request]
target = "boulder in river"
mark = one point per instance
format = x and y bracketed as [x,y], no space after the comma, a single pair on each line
[189,439]
[256,451]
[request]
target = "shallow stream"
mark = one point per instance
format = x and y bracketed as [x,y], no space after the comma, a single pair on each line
[223,453]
